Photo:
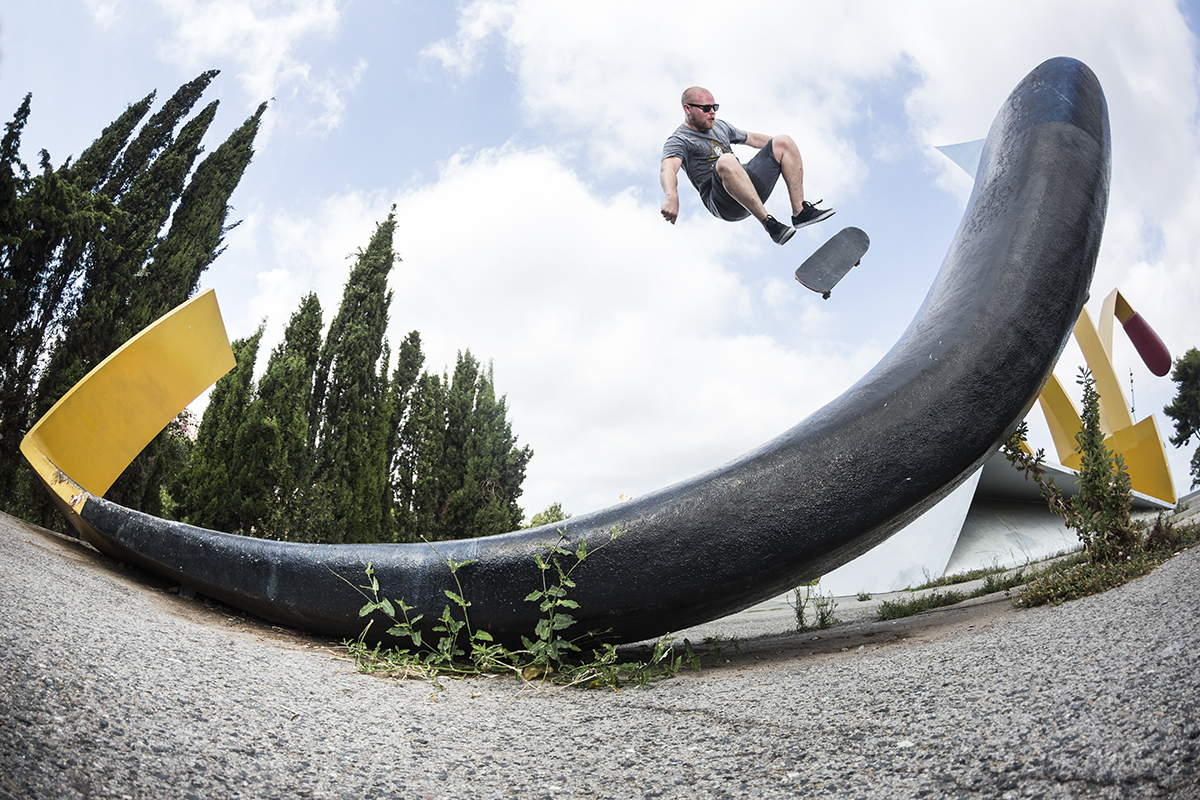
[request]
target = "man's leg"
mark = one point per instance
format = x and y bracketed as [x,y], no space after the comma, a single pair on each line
[737,183]
[791,167]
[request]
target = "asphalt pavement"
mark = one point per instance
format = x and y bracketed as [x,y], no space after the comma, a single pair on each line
[113,686]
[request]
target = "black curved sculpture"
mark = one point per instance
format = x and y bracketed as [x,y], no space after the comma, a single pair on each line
[954,386]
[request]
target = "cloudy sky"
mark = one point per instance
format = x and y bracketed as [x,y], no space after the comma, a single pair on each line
[519,141]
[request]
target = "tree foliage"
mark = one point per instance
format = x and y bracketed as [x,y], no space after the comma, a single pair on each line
[349,402]
[332,448]
[548,516]
[93,251]
[462,469]
[208,491]
[1185,408]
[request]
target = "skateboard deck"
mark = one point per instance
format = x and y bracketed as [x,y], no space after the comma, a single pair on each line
[829,264]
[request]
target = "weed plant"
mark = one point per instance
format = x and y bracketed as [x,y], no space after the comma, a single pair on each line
[895,609]
[959,577]
[823,606]
[457,649]
[993,581]
[1078,576]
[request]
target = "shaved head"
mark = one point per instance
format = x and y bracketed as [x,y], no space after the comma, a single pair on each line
[696,94]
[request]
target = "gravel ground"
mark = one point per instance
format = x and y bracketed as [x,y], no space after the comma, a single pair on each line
[111,686]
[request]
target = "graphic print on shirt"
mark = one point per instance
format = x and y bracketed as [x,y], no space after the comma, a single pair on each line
[718,150]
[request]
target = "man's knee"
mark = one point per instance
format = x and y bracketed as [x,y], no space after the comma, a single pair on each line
[727,164]
[784,145]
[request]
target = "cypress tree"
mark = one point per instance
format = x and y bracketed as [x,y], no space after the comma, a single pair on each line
[460,407]
[421,510]
[156,135]
[461,458]
[198,227]
[97,162]
[46,222]
[495,465]
[487,472]
[206,490]
[349,403]
[103,320]
[275,461]
[397,497]
[144,182]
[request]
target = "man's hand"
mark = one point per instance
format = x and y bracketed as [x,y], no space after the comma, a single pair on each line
[670,208]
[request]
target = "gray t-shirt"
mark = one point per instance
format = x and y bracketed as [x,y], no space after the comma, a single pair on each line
[700,151]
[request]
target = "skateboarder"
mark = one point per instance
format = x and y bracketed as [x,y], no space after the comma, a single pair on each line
[702,145]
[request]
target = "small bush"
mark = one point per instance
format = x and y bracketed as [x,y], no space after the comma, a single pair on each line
[823,606]
[959,577]
[1000,582]
[895,609]
[1078,577]
[1162,535]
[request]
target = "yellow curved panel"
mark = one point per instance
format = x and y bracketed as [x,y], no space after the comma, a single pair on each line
[1142,448]
[95,430]
[1061,416]
[1114,412]
[1139,445]
[1145,459]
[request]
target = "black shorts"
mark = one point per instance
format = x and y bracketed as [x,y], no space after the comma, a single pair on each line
[763,170]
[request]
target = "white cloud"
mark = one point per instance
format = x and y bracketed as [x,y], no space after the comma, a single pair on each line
[616,338]
[262,37]
[104,12]
[477,22]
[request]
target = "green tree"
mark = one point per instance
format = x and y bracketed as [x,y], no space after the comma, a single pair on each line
[1185,408]
[419,495]
[275,460]
[198,227]
[206,490]
[402,389]
[1100,512]
[549,515]
[466,468]
[144,184]
[46,221]
[349,409]
[495,466]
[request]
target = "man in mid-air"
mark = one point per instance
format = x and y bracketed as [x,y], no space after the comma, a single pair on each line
[703,146]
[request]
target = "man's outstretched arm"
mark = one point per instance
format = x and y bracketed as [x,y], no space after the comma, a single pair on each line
[668,176]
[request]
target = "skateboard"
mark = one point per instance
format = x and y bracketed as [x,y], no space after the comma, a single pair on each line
[823,269]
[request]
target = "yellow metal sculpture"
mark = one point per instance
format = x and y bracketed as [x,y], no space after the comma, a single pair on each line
[99,427]
[1139,444]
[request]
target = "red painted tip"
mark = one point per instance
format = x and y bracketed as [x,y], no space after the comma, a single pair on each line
[1151,348]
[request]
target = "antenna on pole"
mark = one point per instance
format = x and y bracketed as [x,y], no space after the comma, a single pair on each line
[1132,406]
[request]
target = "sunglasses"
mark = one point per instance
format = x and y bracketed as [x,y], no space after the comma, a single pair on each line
[705,107]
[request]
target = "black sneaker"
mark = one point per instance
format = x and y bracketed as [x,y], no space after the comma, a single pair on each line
[809,214]
[780,233]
